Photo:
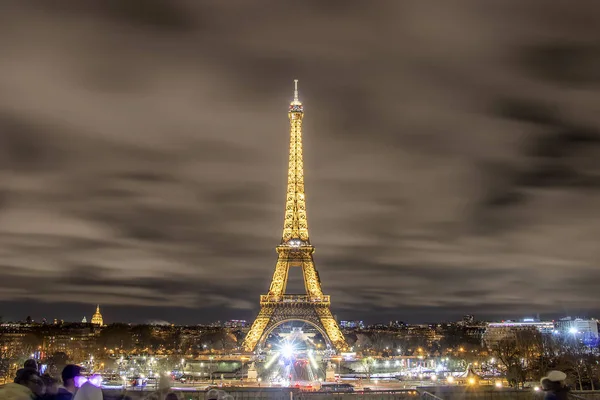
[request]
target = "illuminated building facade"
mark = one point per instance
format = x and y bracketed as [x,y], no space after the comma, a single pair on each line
[584,328]
[352,324]
[497,331]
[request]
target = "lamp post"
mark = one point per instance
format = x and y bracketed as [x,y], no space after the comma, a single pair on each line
[339,360]
[242,369]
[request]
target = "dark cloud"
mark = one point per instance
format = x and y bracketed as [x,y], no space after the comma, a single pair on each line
[450,151]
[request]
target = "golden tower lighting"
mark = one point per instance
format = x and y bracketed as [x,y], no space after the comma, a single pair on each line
[295,250]
[97,317]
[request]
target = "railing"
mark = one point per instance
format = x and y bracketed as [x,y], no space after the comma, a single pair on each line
[430,396]
[293,298]
[592,395]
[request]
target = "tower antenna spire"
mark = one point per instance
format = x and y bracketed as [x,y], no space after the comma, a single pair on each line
[296,90]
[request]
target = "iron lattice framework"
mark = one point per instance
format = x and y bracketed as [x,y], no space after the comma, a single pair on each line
[295,250]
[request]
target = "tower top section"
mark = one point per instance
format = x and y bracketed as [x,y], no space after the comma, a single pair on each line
[295,228]
[296,105]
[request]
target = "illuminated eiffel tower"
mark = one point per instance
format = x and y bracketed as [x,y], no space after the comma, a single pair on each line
[295,250]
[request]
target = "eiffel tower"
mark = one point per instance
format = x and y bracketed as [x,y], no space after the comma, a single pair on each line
[295,250]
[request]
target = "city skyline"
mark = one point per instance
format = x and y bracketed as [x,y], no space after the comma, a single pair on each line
[449,167]
[88,315]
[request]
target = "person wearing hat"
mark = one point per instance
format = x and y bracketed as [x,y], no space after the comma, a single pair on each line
[68,375]
[31,364]
[554,386]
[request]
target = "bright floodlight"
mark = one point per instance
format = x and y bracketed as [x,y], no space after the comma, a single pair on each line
[287,350]
[573,330]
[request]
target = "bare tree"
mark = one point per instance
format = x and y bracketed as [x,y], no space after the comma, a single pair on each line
[507,351]
[367,364]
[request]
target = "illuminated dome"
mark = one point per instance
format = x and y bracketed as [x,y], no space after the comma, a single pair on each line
[97,318]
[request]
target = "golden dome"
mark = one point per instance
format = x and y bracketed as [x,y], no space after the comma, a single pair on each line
[97,317]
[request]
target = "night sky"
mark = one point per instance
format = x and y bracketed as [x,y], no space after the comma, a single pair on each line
[451,156]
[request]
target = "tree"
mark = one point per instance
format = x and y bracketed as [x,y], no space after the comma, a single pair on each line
[520,353]
[574,360]
[367,364]
[506,350]
[363,342]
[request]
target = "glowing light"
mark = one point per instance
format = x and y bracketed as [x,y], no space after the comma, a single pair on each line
[573,331]
[450,379]
[79,381]
[471,381]
[287,350]
[493,360]
[95,380]
[498,384]
[537,388]
[434,378]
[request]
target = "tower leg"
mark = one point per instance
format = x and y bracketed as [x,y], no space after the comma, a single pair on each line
[331,328]
[311,279]
[258,328]
[280,277]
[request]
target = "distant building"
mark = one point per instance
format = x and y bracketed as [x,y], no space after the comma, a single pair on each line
[352,324]
[397,324]
[584,328]
[236,323]
[497,331]
[83,321]
[97,317]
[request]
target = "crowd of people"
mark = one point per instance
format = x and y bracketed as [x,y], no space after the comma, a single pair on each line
[29,384]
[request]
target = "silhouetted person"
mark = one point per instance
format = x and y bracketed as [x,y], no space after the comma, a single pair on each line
[52,386]
[27,386]
[554,386]
[68,389]
[31,364]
